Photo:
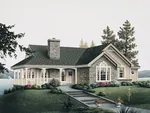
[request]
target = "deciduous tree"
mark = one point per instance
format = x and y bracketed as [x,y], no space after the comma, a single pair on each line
[9,44]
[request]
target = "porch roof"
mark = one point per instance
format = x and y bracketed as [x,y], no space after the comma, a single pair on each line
[68,56]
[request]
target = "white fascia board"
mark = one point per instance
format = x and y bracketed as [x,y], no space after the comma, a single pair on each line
[121,55]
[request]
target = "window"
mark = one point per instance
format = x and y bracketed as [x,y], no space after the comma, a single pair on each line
[103,72]
[70,73]
[32,74]
[121,72]
[63,78]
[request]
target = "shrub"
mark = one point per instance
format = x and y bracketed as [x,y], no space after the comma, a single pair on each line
[126,83]
[55,82]
[35,86]
[114,83]
[102,94]
[91,90]
[13,89]
[28,86]
[93,85]
[148,85]
[43,86]
[5,91]
[56,90]
[19,87]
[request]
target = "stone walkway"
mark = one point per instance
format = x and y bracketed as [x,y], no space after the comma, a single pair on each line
[89,99]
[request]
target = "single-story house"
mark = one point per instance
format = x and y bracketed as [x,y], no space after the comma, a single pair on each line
[71,65]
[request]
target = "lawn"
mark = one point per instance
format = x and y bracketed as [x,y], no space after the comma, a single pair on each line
[33,101]
[140,97]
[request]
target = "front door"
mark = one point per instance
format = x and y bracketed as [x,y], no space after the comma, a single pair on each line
[70,77]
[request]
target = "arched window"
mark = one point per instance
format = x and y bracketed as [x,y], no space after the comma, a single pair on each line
[103,72]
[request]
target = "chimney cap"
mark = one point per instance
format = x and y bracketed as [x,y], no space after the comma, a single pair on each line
[54,40]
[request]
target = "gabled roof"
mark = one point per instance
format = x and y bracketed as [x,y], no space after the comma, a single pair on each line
[68,56]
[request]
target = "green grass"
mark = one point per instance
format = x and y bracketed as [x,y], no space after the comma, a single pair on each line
[32,101]
[140,97]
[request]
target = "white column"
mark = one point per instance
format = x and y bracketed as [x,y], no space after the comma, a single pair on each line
[75,75]
[14,76]
[37,77]
[21,74]
[60,74]
[18,79]
[26,69]
[106,74]
[44,75]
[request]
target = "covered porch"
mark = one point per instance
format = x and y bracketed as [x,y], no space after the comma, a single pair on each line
[39,76]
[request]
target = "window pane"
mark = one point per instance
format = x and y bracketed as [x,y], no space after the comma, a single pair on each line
[103,74]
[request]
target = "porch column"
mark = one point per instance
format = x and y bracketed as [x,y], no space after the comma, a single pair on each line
[26,69]
[21,74]
[60,74]
[75,75]
[37,77]
[14,76]
[18,77]
[44,75]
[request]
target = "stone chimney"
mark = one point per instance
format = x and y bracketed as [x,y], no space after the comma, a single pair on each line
[54,49]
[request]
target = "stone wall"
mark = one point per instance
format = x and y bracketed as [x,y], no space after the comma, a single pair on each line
[54,49]
[54,73]
[83,75]
[92,70]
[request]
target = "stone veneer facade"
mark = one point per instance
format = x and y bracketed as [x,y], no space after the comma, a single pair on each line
[92,70]
[54,49]
[83,75]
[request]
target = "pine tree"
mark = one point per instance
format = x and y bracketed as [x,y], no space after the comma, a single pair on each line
[92,44]
[126,42]
[85,45]
[81,43]
[108,37]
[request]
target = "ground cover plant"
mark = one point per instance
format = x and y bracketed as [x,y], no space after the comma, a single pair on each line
[139,96]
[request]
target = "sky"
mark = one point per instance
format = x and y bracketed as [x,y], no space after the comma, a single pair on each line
[73,20]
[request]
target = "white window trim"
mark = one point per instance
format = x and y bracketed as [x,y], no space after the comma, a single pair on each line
[99,67]
[118,71]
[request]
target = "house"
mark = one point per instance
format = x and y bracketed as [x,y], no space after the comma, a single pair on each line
[71,65]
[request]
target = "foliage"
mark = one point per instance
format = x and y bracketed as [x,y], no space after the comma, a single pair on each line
[102,94]
[92,44]
[126,83]
[114,84]
[127,110]
[126,42]
[83,44]
[85,87]
[9,44]
[19,87]
[56,91]
[108,37]
[54,82]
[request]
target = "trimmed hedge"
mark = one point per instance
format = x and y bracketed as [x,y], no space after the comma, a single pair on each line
[85,87]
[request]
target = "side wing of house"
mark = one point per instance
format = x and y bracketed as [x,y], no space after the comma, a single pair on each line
[112,65]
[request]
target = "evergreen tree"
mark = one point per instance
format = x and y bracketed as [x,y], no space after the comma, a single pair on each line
[9,44]
[126,42]
[85,45]
[81,43]
[108,37]
[92,44]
